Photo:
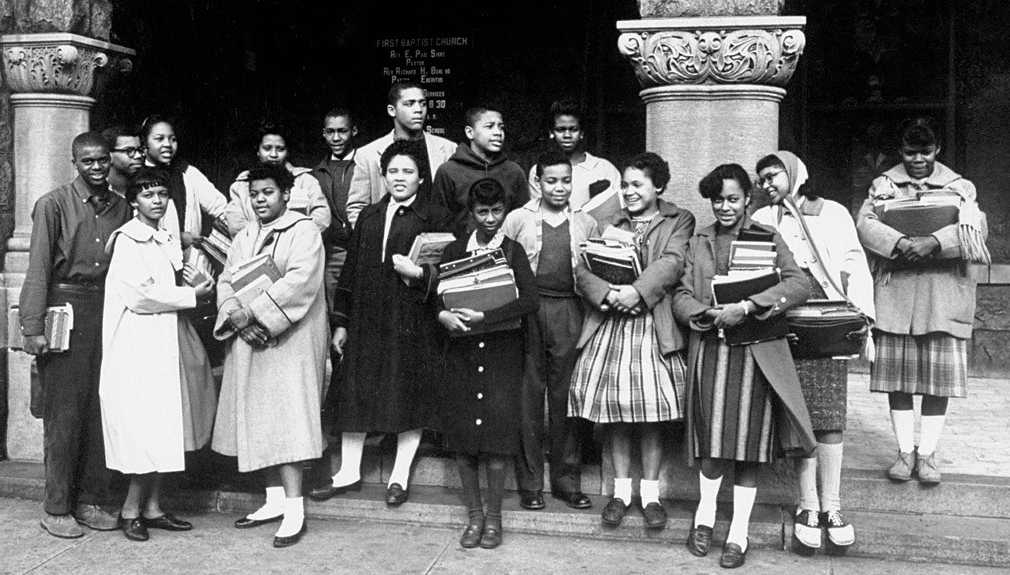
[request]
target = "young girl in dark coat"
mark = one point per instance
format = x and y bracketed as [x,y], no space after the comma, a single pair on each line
[481,396]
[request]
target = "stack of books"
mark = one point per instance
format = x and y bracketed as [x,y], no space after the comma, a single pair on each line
[752,270]
[253,277]
[750,255]
[216,245]
[922,215]
[612,260]
[199,261]
[482,282]
[59,324]
[428,247]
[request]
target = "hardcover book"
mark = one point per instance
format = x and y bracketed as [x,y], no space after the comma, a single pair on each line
[253,277]
[428,247]
[59,324]
[469,263]
[484,297]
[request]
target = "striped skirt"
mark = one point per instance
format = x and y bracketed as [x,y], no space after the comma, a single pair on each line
[733,405]
[621,376]
[930,364]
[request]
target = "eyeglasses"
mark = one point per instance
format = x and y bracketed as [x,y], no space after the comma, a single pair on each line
[767,178]
[130,151]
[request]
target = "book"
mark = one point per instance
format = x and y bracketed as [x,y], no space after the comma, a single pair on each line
[612,260]
[428,247]
[253,277]
[200,262]
[496,273]
[59,324]
[920,216]
[741,284]
[751,254]
[469,263]
[216,245]
[484,297]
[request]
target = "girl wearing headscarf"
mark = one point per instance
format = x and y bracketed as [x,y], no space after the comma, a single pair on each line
[841,266]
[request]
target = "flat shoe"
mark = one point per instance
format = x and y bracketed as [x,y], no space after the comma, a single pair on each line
[247,523]
[396,495]
[655,515]
[291,539]
[471,535]
[134,528]
[62,526]
[168,522]
[327,491]
[532,500]
[733,556]
[574,499]
[699,540]
[491,537]
[613,513]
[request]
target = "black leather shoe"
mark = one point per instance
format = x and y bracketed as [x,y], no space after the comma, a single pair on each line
[613,513]
[292,539]
[168,522]
[655,515]
[532,500]
[699,540]
[491,537]
[574,499]
[327,491]
[733,556]
[247,523]
[472,535]
[134,528]
[396,495]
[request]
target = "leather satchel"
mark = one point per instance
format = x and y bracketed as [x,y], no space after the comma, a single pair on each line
[825,328]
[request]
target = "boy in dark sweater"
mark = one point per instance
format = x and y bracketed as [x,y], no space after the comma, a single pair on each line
[480,157]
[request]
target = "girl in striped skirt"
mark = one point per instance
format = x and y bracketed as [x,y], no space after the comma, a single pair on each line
[744,402]
[630,372]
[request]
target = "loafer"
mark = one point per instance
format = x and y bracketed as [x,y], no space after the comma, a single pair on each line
[841,533]
[396,495]
[168,522]
[248,523]
[96,518]
[532,500]
[613,512]
[472,535]
[291,539]
[327,491]
[574,499]
[807,531]
[699,540]
[901,470]
[655,515]
[134,528]
[733,556]
[925,468]
[62,526]
[491,537]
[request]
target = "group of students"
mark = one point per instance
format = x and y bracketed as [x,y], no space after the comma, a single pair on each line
[628,357]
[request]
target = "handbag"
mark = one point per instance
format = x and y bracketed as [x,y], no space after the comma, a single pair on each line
[825,328]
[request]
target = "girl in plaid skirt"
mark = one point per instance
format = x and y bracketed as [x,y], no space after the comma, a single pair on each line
[630,372]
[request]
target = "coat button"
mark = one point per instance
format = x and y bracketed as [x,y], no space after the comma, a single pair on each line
[480,395]
[481,345]
[783,300]
[480,368]
[478,422]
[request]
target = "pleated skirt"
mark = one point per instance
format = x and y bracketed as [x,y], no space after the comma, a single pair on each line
[930,364]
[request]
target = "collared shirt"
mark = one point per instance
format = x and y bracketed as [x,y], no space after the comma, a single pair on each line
[72,226]
[391,210]
[591,170]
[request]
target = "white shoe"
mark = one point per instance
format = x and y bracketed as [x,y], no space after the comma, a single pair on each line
[840,532]
[807,528]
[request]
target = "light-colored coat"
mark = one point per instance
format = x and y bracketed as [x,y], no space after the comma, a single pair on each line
[306,197]
[367,186]
[141,387]
[934,296]
[270,397]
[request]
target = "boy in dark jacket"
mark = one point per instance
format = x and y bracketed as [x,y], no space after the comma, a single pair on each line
[480,157]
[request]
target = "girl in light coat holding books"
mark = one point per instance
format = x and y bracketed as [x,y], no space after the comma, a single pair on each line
[269,410]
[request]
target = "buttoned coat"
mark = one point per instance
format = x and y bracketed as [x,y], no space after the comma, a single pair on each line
[693,296]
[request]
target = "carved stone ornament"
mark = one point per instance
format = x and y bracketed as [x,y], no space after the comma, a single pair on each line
[679,51]
[57,63]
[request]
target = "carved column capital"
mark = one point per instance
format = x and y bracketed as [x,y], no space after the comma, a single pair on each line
[60,63]
[718,50]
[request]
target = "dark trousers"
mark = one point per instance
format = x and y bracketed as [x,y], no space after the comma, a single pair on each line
[72,418]
[550,358]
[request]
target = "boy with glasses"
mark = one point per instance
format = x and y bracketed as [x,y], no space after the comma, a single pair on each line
[127,156]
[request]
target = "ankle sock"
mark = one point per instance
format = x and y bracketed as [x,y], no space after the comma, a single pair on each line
[649,491]
[806,481]
[709,489]
[743,503]
[273,507]
[903,424]
[294,517]
[622,489]
[930,428]
[829,472]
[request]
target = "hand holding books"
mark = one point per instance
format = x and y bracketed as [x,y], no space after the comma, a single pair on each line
[918,248]
[623,298]
[460,320]
[407,269]
[198,279]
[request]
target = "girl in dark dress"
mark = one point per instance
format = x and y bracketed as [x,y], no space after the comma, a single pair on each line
[386,329]
[480,399]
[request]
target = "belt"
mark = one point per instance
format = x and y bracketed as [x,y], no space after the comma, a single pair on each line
[78,288]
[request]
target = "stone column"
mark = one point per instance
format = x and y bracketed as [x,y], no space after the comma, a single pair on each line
[50,77]
[711,83]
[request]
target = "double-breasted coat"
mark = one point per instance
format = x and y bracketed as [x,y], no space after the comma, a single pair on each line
[391,369]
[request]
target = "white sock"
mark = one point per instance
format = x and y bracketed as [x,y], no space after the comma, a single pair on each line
[352,446]
[273,507]
[407,443]
[709,488]
[622,489]
[649,491]
[294,517]
[903,424]
[829,472]
[930,428]
[743,503]
[807,481]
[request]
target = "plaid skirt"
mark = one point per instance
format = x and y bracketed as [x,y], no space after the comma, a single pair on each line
[931,364]
[621,376]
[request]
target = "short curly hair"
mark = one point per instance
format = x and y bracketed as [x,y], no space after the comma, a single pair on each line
[710,187]
[653,166]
